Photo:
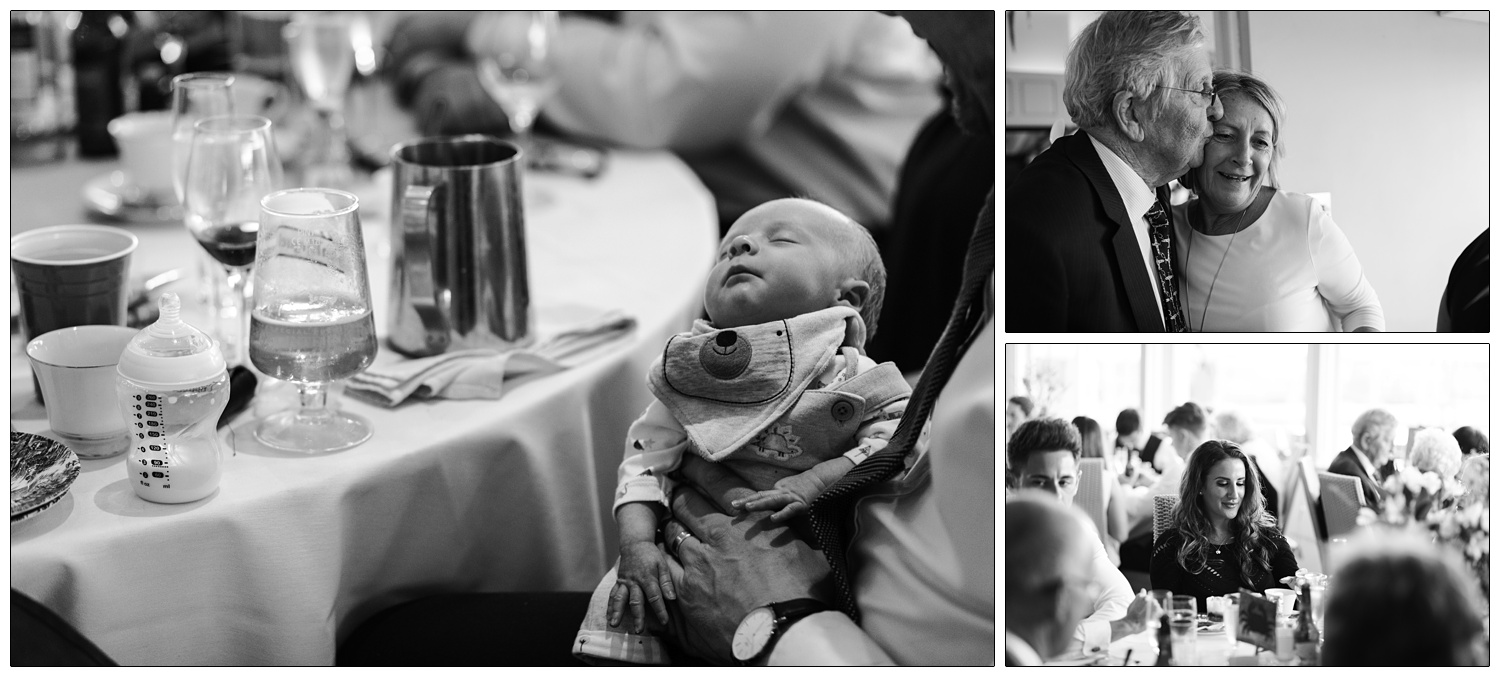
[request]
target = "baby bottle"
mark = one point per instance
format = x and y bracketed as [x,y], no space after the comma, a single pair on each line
[172,386]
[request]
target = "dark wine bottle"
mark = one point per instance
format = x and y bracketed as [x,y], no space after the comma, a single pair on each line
[97,56]
[1163,642]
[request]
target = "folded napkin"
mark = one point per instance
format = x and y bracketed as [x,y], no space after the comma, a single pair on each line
[481,373]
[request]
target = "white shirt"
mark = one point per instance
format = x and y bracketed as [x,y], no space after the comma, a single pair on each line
[1138,198]
[1291,270]
[1110,604]
[825,102]
[924,545]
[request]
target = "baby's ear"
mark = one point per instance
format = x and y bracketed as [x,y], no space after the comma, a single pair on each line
[853,293]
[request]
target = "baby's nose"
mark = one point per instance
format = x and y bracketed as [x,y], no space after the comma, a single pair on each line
[741,245]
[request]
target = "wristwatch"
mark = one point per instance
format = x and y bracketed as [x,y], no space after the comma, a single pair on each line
[763,625]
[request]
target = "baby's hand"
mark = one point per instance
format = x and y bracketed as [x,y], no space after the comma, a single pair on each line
[642,578]
[789,498]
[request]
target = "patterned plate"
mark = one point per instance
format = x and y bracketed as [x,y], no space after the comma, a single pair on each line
[41,470]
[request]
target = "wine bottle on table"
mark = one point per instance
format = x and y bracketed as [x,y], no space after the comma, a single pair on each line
[1163,641]
[97,50]
[1305,638]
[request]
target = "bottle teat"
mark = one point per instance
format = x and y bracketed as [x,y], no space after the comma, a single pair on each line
[170,351]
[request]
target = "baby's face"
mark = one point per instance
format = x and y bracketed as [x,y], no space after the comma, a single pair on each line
[781,259]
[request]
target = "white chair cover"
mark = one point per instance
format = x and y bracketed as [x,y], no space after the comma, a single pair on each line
[1093,493]
[1342,499]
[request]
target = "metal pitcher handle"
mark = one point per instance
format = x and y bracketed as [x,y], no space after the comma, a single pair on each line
[418,211]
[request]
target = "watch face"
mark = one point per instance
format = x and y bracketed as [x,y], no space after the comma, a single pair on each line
[753,633]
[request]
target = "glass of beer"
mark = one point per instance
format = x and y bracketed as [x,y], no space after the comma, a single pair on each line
[311,322]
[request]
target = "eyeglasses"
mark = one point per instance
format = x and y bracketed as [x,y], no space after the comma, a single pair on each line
[1207,93]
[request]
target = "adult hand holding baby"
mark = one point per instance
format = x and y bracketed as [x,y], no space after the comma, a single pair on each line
[731,565]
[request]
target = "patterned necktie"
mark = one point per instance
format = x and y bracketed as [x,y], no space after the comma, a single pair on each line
[1161,250]
[831,512]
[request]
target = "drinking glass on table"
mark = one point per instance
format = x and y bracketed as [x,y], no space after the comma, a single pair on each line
[513,50]
[232,164]
[310,321]
[196,96]
[320,49]
[1184,634]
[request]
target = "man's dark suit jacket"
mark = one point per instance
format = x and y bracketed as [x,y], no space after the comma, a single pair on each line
[1347,464]
[1072,262]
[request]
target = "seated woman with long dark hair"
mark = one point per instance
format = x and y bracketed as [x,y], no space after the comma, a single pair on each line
[1221,538]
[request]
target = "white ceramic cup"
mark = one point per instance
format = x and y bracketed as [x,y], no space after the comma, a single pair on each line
[145,142]
[76,368]
[1284,600]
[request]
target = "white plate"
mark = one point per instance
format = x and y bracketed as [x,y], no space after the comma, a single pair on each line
[41,471]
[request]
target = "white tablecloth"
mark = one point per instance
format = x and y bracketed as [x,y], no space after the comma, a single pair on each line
[481,495]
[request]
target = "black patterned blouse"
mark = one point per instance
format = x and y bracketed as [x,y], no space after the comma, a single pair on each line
[1222,575]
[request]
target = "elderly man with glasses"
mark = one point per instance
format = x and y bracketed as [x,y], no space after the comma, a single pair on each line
[1088,229]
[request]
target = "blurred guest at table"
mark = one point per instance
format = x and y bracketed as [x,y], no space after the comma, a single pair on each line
[1186,426]
[1401,600]
[1043,454]
[1254,257]
[1129,435]
[1221,538]
[1472,441]
[762,104]
[1048,585]
[1474,474]
[1017,411]
[1088,235]
[1465,305]
[1233,426]
[1116,527]
[1374,438]
[1434,450]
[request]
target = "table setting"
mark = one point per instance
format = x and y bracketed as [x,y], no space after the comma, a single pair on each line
[292,363]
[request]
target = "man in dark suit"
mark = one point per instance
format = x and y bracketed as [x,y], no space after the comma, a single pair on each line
[1368,457]
[1088,231]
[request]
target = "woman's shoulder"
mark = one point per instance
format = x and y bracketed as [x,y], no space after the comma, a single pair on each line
[1169,541]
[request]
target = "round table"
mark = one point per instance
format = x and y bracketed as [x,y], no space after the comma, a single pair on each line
[292,551]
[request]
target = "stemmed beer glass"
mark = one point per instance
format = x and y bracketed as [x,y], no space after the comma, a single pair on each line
[232,164]
[195,96]
[513,52]
[311,322]
[320,47]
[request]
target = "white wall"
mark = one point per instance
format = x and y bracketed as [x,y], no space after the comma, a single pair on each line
[1389,112]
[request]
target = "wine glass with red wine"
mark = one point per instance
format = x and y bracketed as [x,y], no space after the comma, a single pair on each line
[232,164]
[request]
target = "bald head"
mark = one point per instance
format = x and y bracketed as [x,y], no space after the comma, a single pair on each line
[1047,555]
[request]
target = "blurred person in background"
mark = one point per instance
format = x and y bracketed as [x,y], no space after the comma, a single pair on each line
[1434,450]
[1399,599]
[1472,441]
[1017,411]
[1474,474]
[1374,437]
[1186,426]
[1221,538]
[761,104]
[1465,305]
[1116,527]
[1043,455]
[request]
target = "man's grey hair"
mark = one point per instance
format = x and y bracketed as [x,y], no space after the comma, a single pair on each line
[1372,421]
[1125,51]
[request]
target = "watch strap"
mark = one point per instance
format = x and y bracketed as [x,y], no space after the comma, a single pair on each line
[784,614]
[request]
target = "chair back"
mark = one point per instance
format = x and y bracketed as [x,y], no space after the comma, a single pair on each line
[1342,498]
[1093,492]
[1161,514]
[1267,490]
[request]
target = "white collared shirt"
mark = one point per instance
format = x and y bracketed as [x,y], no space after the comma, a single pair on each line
[1138,198]
[1365,463]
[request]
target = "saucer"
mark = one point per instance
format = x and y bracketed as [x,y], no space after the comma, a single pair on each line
[114,197]
[41,471]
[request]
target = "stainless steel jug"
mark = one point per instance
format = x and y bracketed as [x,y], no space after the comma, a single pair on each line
[458,246]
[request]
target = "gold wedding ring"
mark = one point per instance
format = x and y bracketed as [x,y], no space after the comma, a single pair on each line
[681,536]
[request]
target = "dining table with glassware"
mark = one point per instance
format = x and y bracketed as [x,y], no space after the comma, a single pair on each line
[443,490]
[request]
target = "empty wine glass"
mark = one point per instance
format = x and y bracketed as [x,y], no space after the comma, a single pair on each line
[320,48]
[195,96]
[513,52]
[232,164]
[310,321]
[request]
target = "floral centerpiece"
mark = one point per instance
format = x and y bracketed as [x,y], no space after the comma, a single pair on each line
[1426,501]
